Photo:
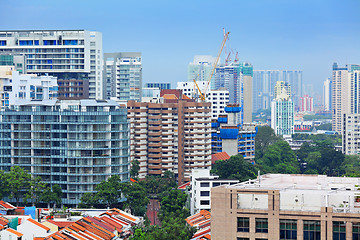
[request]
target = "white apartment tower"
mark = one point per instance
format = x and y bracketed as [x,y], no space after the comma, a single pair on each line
[200,69]
[75,57]
[345,93]
[327,94]
[282,110]
[123,76]
[219,99]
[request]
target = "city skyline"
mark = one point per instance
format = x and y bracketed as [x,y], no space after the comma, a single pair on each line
[308,36]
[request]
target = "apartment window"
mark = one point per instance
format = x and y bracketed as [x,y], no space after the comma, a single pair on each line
[311,230]
[204,202]
[205,193]
[215,184]
[243,224]
[241,238]
[204,184]
[288,229]
[92,44]
[356,231]
[261,225]
[339,230]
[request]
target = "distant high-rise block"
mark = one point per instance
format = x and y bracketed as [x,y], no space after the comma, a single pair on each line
[123,75]
[327,94]
[200,69]
[158,85]
[306,104]
[282,110]
[73,56]
[345,94]
[237,79]
[264,86]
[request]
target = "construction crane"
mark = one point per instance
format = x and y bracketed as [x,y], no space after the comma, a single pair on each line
[202,95]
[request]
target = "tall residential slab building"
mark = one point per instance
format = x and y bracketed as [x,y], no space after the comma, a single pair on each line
[264,82]
[282,110]
[123,76]
[201,68]
[76,144]
[237,79]
[174,135]
[345,93]
[75,57]
[327,94]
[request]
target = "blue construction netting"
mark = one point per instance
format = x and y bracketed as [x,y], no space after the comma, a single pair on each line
[229,133]
[222,119]
[215,125]
[232,109]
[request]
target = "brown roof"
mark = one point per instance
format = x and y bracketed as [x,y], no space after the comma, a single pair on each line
[219,156]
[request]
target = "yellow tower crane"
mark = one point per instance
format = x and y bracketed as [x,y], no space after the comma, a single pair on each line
[202,95]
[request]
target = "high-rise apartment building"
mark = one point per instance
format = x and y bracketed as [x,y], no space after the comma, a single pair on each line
[280,206]
[73,143]
[237,79]
[200,69]
[282,110]
[14,86]
[218,98]
[123,76]
[306,104]
[327,94]
[174,135]
[345,93]
[264,82]
[158,85]
[75,57]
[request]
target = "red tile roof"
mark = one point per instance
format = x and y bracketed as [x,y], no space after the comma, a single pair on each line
[219,156]
[7,206]
[98,228]
[61,224]
[202,222]
[183,187]
[14,232]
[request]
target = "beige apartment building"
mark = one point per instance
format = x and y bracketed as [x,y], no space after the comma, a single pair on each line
[174,135]
[281,206]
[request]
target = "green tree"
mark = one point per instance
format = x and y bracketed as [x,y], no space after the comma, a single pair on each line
[136,198]
[18,182]
[109,191]
[135,168]
[235,168]
[3,184]
[174,202]
[88,200]
[35,191]
[279,158]
[264,138]
[52,195]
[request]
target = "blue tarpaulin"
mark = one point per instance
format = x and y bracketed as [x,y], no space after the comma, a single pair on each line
[30,211]
[229,133]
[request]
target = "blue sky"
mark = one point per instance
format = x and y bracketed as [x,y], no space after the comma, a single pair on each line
[283,34]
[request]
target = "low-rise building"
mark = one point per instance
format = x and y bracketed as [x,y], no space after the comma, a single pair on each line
[201,183]
[284,206]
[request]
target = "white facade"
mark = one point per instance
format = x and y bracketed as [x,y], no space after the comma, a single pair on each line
[218,98]
[201,183]
[200,69]
[123,75]
[14,86]
[67,54]
[351,134]
[282,117]
[31,229]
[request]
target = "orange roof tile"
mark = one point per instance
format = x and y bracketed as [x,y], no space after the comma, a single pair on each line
[219,156]
[6,205]
[170,96]
[38,224]
[184,185]
[185,97]
[132,180]
[14,232]
[61,224]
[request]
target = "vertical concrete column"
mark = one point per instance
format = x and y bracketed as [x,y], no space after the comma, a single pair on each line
[252,227]
[300,229]
[348,230]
